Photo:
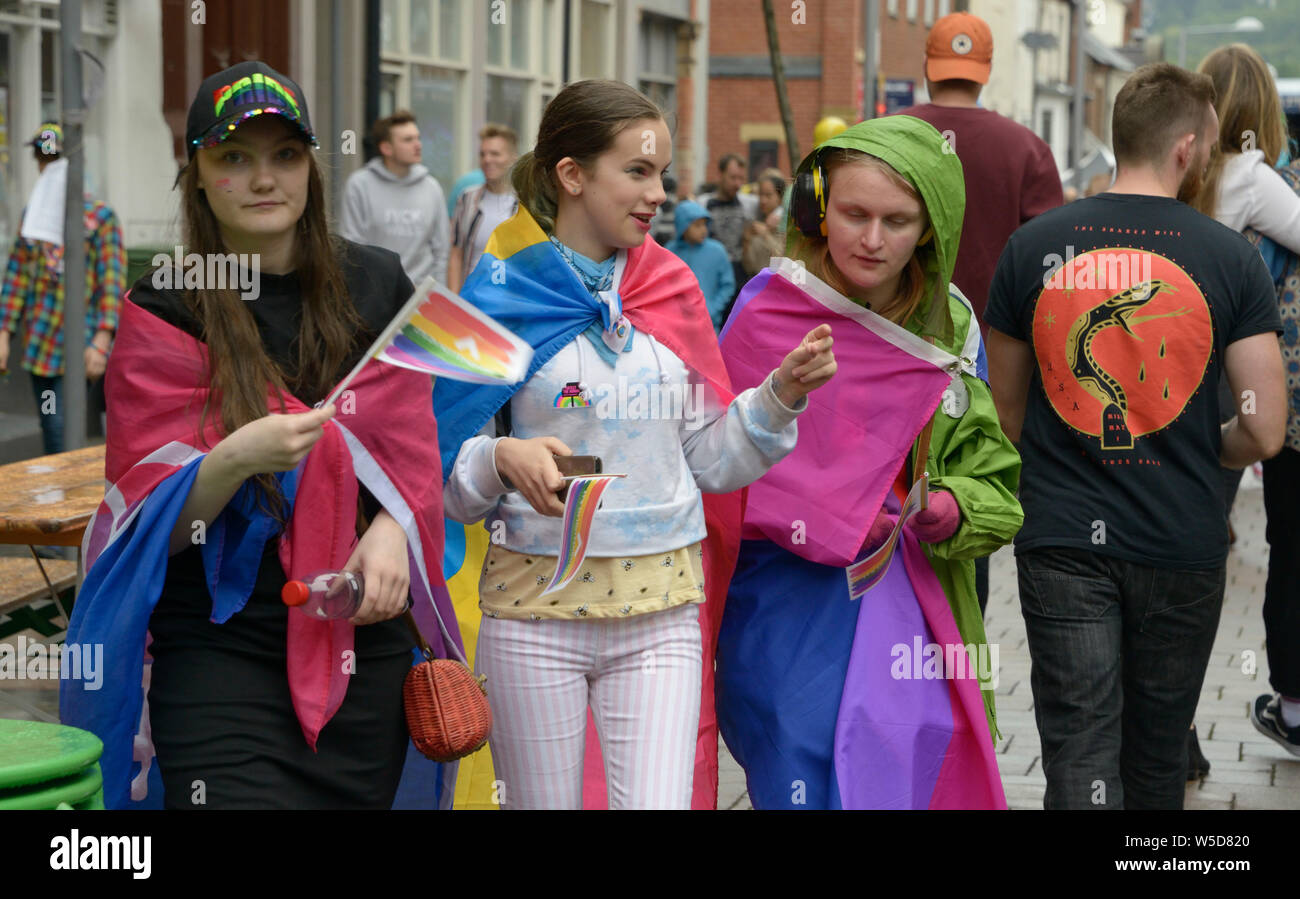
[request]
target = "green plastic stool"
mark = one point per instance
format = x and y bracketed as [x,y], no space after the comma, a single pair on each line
[49,766]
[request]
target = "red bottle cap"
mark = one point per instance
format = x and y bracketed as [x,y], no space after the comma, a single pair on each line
[295,593]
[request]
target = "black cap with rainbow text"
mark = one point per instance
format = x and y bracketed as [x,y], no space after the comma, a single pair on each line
[230,97]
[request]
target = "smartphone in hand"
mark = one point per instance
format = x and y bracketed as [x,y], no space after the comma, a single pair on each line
[570,466]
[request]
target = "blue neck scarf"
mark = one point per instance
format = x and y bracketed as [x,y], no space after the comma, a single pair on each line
[533,289]
[597,277]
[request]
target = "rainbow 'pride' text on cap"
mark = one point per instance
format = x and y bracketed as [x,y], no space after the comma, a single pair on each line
[255,88]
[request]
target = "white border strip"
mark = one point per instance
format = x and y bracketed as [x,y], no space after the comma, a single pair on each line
[173,453]
[839,304]
[369,473]
[971,348]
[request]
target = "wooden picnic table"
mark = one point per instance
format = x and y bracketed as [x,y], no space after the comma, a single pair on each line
[49,500]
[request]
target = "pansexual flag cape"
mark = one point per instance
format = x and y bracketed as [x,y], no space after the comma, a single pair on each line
[154,448]
[812,699]
[523,283]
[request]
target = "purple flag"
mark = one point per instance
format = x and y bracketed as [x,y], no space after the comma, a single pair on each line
[819,502]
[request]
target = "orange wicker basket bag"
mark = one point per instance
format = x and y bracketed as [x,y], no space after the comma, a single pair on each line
[447,709]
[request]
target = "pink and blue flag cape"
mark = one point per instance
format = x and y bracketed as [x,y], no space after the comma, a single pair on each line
[153,452]
[810,699]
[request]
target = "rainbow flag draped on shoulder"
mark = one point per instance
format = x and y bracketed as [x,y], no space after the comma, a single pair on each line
[154,449]
[522,282]
[814,698]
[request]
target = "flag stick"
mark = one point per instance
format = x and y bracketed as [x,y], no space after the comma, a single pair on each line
[348,380]
[381,341]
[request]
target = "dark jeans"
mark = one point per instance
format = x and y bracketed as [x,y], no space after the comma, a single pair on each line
[49,409]
[1282,593]
[1119,652]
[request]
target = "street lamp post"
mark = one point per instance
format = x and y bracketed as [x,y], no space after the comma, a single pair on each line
[73,111]
[1076,107]
[870,56]
[1243,25]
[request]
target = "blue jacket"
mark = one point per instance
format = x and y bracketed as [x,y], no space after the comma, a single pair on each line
[708,260]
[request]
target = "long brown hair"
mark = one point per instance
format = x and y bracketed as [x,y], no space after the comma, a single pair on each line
[816,252]
[582,121]
[1247,102]
[239,369]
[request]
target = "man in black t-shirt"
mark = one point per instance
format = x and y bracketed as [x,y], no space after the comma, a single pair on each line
[1111,320]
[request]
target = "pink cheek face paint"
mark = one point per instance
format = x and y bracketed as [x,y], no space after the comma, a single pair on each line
[224,184]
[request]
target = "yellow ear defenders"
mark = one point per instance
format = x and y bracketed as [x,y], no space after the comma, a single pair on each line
[926,237]
[808,200]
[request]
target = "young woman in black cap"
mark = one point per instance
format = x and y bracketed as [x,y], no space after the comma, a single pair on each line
[252,704]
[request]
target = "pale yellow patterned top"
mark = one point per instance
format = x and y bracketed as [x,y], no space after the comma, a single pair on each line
[512,585]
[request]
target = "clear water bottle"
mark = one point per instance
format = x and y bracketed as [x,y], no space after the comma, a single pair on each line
[326,594]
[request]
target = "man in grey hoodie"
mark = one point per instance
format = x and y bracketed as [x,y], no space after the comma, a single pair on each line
[393,202]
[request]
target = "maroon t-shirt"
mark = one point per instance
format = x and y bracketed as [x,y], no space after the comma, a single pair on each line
[1010,178]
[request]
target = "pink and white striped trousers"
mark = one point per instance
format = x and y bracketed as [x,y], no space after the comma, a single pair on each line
[641,676]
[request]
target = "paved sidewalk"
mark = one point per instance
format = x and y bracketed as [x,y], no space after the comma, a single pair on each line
[1246,770]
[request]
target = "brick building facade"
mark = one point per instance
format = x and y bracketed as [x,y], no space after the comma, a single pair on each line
[821,50]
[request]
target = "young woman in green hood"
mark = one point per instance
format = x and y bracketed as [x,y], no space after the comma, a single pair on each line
[888,239]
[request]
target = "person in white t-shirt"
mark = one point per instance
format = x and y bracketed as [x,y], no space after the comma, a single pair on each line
[481,209]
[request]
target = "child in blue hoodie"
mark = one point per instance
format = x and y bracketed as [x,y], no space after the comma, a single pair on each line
[705,257]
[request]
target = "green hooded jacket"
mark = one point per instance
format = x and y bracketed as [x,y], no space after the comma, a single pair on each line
[969,455]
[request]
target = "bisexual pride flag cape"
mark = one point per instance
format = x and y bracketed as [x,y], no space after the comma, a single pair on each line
[522,282]
[154,448]
[813,696]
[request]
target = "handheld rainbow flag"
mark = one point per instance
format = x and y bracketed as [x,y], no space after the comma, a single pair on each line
[579,510]
[870,571]
[441,334]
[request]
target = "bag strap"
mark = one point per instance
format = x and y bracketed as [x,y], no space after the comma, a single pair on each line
[419,637]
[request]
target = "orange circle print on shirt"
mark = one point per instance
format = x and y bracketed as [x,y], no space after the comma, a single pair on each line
[1122,337]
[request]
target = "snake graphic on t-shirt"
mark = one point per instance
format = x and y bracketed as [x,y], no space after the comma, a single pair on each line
[1117,311]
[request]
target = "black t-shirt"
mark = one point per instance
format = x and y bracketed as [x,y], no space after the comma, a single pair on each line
[378,287]
[1128,302]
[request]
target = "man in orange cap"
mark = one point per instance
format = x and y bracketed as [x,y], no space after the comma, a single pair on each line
[1010,174]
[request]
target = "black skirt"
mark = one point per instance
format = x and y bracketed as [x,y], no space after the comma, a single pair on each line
[223,723]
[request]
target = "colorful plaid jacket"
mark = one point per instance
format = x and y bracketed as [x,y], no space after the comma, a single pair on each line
[33,289]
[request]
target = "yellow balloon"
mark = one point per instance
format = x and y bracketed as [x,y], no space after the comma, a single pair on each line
[828,128]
